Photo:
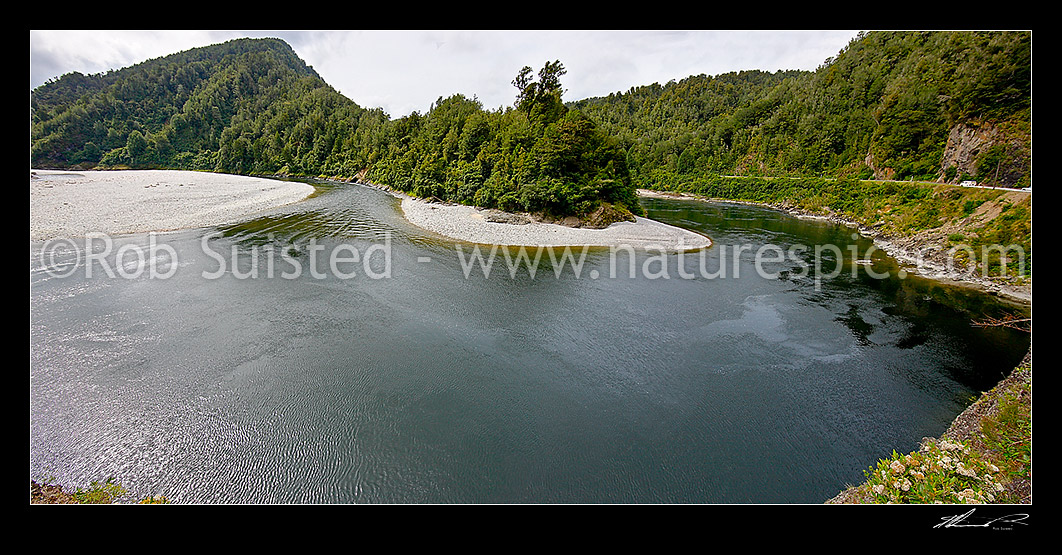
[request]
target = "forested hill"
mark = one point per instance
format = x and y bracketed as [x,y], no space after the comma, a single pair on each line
[245,106]
[941,106]
[938,106]
[250,106]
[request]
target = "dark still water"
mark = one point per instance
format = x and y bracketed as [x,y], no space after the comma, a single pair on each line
[332,353]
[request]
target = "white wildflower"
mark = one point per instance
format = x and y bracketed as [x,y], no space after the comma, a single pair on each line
[961,469]
[950,445]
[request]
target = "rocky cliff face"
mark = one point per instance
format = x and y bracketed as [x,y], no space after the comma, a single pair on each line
[871,162]
[965,144]
[993,154]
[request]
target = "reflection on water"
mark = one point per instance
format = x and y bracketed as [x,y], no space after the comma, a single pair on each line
[441,384]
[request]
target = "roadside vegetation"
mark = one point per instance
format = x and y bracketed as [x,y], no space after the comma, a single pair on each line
[864,138]
[987,231]
[930,106]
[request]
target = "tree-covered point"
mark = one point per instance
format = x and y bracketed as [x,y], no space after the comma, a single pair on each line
[885,108]
[538,157]
[250,106]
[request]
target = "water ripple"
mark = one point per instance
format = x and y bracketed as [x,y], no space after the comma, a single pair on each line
[432,387]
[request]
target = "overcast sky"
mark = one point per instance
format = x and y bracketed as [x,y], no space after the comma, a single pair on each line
[406,71]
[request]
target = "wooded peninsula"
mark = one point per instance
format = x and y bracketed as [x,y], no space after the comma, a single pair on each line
[871,136]
[918,138]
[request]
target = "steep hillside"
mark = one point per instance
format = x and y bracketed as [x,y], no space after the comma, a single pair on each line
[939,106]
[245,106]
[252,107]
[931,106]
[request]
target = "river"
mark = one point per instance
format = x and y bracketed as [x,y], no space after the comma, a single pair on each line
[333,353]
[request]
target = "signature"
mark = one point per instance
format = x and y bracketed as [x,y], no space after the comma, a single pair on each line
[964,521]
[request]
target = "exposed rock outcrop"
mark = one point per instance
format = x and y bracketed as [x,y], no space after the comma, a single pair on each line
[994,154]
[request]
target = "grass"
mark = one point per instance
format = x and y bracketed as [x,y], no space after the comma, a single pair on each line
[106,492]
[941,472]
[985,459]
[100,493]
[984,218]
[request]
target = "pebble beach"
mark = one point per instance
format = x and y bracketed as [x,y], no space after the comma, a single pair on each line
[474,225]
[75,203]
[67,204]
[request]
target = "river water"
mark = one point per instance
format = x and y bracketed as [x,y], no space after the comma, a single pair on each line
[333,353]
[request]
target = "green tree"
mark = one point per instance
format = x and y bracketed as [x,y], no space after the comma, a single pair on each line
[541,100]
[136,147]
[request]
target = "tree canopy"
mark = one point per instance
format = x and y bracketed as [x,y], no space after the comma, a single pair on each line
[540,156]
[883,107]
